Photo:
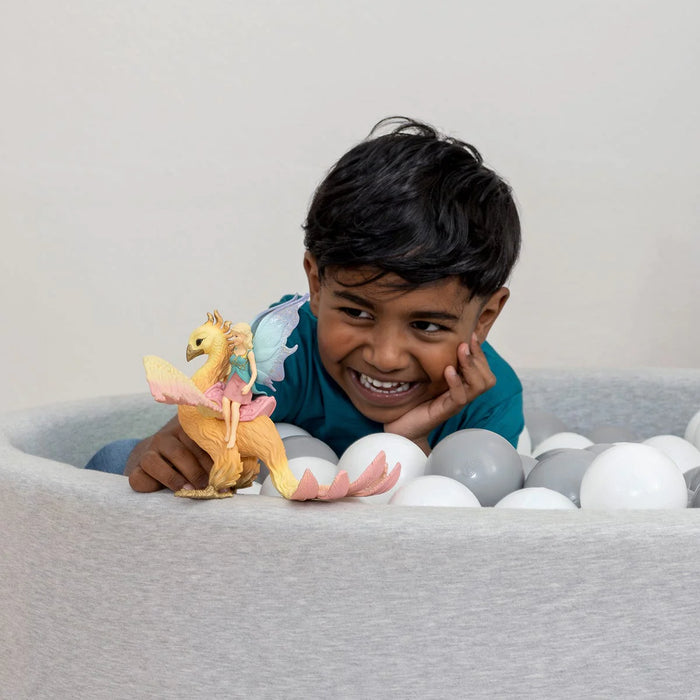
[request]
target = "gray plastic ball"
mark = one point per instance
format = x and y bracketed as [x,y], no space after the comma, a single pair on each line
[528,464]
[552,452]
[543,424]
[486,463]
[692,478]
[562,472]
[599,447]
[694,498]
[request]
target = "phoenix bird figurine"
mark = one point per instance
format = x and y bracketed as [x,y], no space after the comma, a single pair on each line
[218,408]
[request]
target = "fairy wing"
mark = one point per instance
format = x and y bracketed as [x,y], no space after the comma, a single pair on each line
[271,328]
[169,385]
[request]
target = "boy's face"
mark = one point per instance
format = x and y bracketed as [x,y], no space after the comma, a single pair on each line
[388,349]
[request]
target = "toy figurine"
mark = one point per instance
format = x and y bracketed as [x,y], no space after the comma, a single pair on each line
[236,443]
[236,392]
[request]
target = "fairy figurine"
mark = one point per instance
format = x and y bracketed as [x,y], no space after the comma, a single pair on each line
[236,391]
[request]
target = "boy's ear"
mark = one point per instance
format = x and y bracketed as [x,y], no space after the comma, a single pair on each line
[490,311]
[314,280]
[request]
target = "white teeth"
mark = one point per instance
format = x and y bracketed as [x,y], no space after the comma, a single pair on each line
[385,387]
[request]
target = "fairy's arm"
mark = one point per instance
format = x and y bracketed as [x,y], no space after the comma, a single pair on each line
[253,373]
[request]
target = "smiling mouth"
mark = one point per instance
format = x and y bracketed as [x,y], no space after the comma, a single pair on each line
[383,387]
[381,392]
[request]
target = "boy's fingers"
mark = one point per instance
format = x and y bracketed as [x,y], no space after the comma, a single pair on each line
[190,462]
[171,463]
[142,482]
[456,386]
[475,368]
[474,350]
[155,466]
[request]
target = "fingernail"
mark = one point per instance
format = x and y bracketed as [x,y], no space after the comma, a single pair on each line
[188,487]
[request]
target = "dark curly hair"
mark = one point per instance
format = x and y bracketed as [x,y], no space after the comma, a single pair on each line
[418,204]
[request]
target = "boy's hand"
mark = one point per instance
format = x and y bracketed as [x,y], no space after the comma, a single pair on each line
[169,458]
[472,378]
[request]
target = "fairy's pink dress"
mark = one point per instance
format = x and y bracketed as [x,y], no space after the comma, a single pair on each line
[251,406]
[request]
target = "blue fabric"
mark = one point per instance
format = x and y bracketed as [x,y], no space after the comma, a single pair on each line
[311,399]
[112,457]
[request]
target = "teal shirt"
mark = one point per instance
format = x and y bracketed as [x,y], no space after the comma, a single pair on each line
[309,398]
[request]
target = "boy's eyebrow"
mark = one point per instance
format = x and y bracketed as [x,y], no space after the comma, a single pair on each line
[353,298]
[360,301]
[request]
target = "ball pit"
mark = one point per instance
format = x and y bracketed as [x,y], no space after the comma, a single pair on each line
[105,593]
[623,475]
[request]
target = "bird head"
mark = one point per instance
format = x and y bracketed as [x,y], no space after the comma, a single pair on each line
[209,338]
[199,343]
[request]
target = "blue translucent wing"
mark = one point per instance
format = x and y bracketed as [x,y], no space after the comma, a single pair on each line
[271,328]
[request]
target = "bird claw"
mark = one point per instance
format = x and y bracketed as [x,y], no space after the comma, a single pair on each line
[373,480]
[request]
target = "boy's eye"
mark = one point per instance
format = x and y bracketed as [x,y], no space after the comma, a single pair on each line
[355,313]
[428,326]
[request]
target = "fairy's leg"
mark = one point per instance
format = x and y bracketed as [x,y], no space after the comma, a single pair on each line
[235,417]
[226,410]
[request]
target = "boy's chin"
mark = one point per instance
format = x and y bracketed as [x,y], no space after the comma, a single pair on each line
[382,414]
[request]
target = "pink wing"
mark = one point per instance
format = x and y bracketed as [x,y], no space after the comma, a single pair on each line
[169,385]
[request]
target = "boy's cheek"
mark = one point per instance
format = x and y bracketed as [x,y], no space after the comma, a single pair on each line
[336,342]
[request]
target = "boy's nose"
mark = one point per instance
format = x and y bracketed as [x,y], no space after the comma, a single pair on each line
[385,352]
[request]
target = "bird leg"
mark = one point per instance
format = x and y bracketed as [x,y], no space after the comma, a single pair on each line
[204,494]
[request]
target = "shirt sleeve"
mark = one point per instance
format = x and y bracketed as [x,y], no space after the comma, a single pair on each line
[504,418]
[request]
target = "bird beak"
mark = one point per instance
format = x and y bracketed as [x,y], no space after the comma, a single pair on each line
[193,352]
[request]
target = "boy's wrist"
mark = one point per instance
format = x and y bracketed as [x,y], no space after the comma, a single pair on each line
[423,444]
[420,440]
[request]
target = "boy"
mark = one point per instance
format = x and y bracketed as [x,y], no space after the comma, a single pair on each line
[409,241]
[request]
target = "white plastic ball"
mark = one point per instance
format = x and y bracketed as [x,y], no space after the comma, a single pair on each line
[630,475]
[434,490]
[322,469]
[562,440]
[692,432]
[288,430]
[524,446]
[358,456]
[536,497]
[683,453]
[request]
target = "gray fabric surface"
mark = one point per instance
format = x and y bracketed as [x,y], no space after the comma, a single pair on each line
[105,593]
[652,401]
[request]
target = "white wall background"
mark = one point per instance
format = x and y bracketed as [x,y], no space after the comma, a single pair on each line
[157,159]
